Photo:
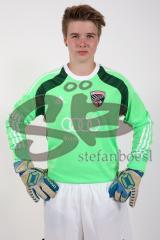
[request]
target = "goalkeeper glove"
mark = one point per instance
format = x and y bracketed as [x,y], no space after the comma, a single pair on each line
[36,181]
[126,186]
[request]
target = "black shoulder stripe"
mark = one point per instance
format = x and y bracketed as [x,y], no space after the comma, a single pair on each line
[45,87]
[117,83]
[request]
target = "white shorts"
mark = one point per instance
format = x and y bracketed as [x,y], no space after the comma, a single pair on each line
[85,212]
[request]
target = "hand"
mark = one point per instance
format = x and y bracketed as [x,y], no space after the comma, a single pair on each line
[126,186]
[37,183]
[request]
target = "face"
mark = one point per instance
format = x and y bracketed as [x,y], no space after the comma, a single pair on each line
[82,41]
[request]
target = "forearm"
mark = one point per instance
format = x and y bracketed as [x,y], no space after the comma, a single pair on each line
[142,139]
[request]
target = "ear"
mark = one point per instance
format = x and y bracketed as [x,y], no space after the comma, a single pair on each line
[65,41]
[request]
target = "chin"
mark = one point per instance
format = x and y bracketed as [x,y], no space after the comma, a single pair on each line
[83,58]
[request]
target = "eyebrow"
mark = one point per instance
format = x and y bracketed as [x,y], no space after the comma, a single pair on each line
[90,33]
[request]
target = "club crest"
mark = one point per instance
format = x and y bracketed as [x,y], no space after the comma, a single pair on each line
[97,98]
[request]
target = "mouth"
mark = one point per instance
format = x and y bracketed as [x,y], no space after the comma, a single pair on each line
[82,52]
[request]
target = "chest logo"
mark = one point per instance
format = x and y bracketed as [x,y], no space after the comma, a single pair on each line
[97,98]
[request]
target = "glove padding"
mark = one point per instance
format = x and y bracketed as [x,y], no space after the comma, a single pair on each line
[126,186]
[37,183]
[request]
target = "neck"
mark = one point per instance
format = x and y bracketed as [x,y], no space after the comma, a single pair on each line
[81,69]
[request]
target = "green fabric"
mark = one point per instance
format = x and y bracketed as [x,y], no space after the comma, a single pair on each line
[85,151]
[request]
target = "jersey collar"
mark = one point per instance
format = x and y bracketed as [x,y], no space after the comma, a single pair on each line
[77,77]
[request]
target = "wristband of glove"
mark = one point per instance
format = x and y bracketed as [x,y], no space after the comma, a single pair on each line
[37,183]
[126,186]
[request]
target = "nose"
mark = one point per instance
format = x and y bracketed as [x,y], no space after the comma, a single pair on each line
[83,42]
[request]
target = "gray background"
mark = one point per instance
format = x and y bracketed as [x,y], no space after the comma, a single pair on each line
[32,44]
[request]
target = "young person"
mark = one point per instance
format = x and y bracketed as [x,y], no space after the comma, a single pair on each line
[82,101]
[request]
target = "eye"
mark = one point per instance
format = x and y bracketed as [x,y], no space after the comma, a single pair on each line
[75,36]
[90,36]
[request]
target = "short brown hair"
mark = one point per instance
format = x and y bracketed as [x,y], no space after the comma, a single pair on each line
[82,13]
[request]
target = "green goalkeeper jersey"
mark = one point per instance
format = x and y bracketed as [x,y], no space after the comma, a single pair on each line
[82,115]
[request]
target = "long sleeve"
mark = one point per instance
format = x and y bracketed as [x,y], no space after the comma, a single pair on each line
[138,117]
[24,112]
[17,122]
